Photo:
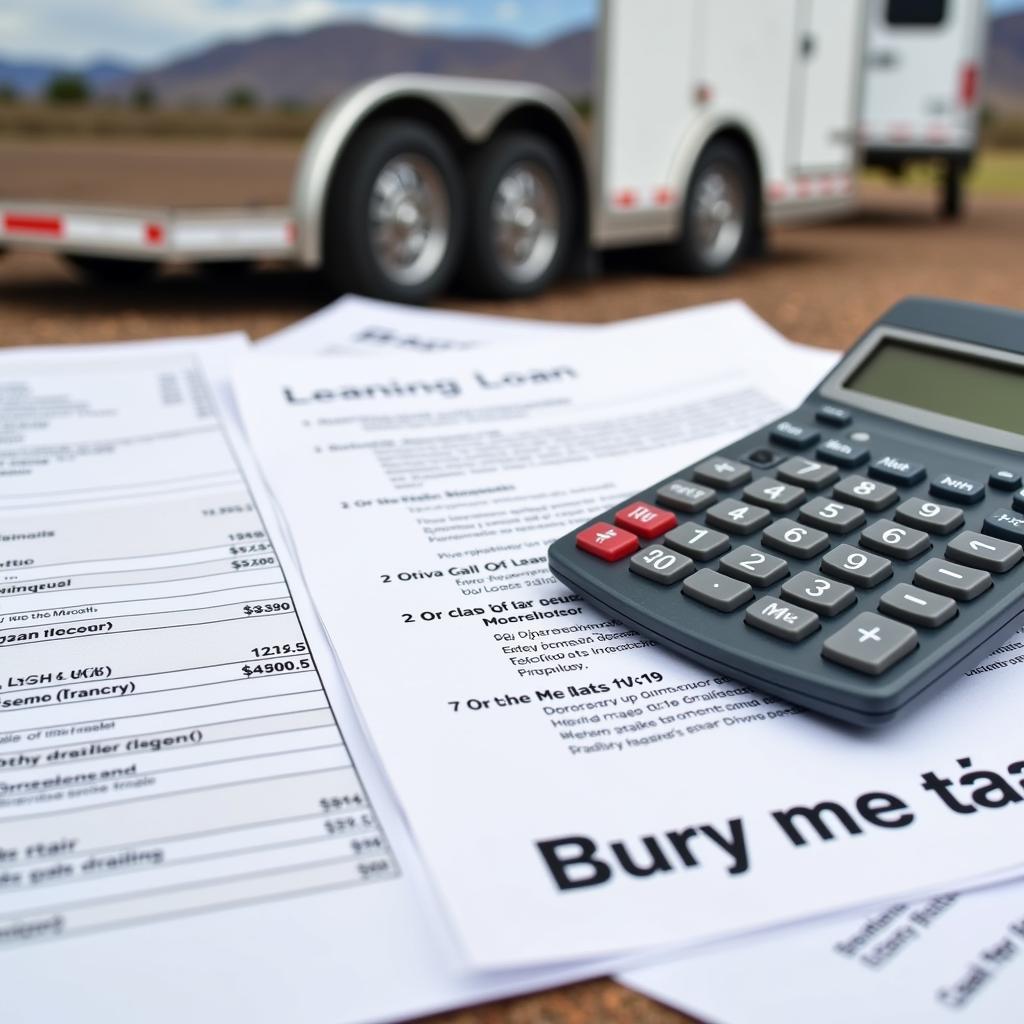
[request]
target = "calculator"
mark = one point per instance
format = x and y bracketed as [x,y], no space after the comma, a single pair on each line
[854,555]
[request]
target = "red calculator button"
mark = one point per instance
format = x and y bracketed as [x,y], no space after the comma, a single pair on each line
[607,542]
[644,519]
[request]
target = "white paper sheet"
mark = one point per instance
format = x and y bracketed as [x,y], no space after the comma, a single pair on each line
[191,825]
[354,325]
[422,498]
[950,957]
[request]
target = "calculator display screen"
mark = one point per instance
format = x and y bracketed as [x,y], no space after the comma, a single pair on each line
[988,393]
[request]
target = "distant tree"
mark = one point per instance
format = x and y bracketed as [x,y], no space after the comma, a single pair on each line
[240,97]
[67,87]
[143,96]
[8,93]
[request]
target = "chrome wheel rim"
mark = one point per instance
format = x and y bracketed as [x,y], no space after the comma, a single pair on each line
[524,221]
[410,219]
[718,215]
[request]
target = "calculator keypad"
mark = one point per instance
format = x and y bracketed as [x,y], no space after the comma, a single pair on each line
[647,521]
[724,473]
[738,517]
[852,565]
[981,552]
[773,495]
[795,539]
[754,567]
[700,542]
[916,606]
[868,494]
[819,594]
[835,449]
[684,496]
[930,516]
[607,542]
[827,541]
[870,643]
[957,488]
[889,538]
[807,473]
[959,581]
[1005,524]
[781,619]
[834,516]
[720,592]
[661,564]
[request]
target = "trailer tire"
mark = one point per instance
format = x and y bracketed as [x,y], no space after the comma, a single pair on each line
[395,215]
[522,216]
[720,211]
[113,271]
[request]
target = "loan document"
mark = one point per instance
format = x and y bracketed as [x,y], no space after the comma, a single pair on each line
[192,826]
[616,797]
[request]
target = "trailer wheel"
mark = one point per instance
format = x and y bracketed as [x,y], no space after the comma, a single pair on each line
[395,214]
[110,270]
[521,216]
[720,213]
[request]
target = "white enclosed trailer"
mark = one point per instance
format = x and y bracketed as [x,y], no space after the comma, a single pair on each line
[922,84]
[709,120]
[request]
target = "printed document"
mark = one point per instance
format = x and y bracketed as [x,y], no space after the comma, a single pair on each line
[949,957]
[574,789]
[191,826]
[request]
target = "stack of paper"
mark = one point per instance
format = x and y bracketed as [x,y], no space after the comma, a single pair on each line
[201,816]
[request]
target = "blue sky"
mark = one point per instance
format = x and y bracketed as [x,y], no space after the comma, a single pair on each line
[150,31]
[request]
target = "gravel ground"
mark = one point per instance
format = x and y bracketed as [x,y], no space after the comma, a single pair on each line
[819,284]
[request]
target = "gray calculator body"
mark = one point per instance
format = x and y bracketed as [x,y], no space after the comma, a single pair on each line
[854,555]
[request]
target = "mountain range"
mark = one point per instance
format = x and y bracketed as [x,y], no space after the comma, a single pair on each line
[311,67]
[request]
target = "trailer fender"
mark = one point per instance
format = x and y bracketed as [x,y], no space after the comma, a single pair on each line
[473,107]
[693,143]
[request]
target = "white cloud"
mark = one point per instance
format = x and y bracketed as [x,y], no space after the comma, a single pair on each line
[508,11]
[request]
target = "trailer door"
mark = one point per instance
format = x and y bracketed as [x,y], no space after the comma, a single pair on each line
[825,104]
[921,85]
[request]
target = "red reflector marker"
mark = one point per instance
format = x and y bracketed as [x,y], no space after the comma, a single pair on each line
[968,84]
[607,542]
[646,520]
[27,224]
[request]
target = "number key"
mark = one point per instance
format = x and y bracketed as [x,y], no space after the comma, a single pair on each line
[773,495]
[855,566]
[699,542]
[930,516]
[868,494]
[752,566]
[661,565]
[807,472]
[824,596]
[721,472]
[735,517]
[789,537]
[833,516]
[896,541]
